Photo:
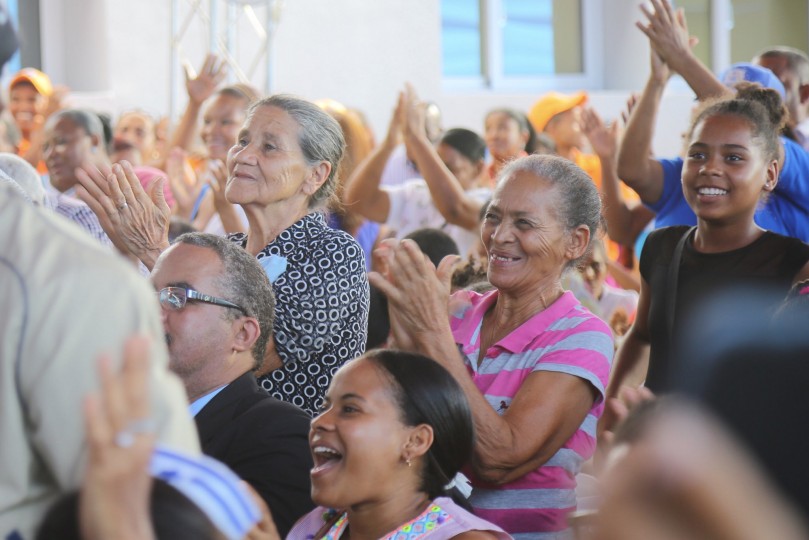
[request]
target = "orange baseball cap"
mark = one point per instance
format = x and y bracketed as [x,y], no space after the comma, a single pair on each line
[39,80]
[552,104]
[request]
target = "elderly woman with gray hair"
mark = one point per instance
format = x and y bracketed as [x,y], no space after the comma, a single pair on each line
[281,170]
[531,360]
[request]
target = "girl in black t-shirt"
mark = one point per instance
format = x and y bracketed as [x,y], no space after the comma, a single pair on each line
[732,163]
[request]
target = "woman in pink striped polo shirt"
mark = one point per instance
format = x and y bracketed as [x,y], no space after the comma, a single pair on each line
[533,362]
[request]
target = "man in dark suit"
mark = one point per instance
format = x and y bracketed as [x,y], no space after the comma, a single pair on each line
[218,307]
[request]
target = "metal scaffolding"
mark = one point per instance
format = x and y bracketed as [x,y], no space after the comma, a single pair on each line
[238,31]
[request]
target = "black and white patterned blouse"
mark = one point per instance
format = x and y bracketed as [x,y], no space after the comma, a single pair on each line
[321,311]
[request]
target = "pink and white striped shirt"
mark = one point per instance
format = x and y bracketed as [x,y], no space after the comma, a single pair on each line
[564,338]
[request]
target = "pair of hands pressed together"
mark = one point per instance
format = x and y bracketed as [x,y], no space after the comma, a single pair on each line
[408,119]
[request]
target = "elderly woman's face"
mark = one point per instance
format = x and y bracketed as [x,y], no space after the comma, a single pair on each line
[524,238]
[266,165]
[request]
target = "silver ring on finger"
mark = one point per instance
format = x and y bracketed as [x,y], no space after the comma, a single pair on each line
[126,437]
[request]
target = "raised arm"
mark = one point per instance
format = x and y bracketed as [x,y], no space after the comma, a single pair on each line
[668,35]
[231,221]
[636,166]
[624,223]
[199,89]
[447,192]
[363,193]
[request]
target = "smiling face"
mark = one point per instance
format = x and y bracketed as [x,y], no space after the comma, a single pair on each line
[24,104]
[359,442]
[66,146]
[220,124]
[503,135]
[726,171]
[266,165]
[526,242]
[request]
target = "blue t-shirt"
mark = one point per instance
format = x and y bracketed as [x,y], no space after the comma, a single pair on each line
[786,212]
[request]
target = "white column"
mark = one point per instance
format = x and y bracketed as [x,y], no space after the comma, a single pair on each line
[626,49]
[75,41]
[721,25]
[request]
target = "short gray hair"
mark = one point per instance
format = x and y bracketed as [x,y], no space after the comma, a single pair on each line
[86,120]
[243,281]
[321,137]
[580,202]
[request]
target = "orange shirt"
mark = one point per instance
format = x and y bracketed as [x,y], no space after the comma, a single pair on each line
[592,166]
[23,147]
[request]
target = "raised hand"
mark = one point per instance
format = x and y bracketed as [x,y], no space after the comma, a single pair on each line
[603,138]
[218,181]
[183,182]
[114,500]
[667,31]
[413,117]
[418,294]
[203,85]
[140,220]
[394,134]
[631,102]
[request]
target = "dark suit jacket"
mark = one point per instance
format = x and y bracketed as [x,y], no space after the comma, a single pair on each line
[265,441]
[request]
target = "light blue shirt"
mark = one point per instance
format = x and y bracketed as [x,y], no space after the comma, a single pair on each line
[200,402]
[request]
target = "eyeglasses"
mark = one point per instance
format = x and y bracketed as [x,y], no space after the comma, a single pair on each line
[175,298]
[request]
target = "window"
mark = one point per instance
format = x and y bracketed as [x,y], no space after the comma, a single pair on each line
[514,44]
[731,31]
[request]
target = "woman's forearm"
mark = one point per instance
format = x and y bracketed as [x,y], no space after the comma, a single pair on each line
[447,193]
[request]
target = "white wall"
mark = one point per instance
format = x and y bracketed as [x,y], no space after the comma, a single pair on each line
[359,52]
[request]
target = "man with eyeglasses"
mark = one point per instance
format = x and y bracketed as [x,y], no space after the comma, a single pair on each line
[218,310]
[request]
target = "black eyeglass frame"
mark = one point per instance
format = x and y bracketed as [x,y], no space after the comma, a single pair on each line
[191,294]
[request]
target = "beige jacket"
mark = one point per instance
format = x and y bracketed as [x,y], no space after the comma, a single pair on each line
[63,301]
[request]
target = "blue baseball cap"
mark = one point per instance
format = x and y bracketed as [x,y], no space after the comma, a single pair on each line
[745,71]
